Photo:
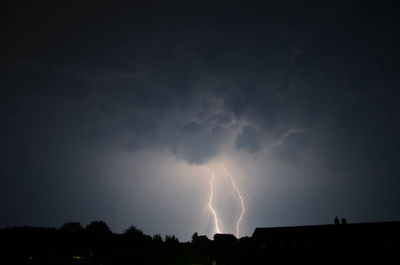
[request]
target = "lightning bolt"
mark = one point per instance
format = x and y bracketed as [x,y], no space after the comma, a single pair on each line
[211,173]
[240,198]
[212,210]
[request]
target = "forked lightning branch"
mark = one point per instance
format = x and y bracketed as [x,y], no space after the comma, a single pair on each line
[211,172]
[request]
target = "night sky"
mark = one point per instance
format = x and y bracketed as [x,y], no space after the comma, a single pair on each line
[114,111]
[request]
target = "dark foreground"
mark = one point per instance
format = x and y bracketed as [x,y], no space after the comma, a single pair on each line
[368,243]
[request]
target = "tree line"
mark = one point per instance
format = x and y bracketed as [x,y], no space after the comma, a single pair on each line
[97,244]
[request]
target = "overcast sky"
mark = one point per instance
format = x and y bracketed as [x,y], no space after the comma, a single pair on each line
[114,111]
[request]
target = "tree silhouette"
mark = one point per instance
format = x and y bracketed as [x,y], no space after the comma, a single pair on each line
[195,237]
[171,239]
[134,232]
[157,239]
[200,240]
[71,228]
[73,241]
[98,228]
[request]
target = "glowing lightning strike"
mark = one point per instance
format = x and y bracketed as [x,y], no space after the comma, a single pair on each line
[241,201]
[211,171]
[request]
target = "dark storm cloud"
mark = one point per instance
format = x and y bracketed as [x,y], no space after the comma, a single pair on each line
[247,140]
[79,80]
[192,127]
[291,147]
[296,72]
[222,119]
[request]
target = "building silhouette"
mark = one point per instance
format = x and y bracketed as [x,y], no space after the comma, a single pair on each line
[325,244]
